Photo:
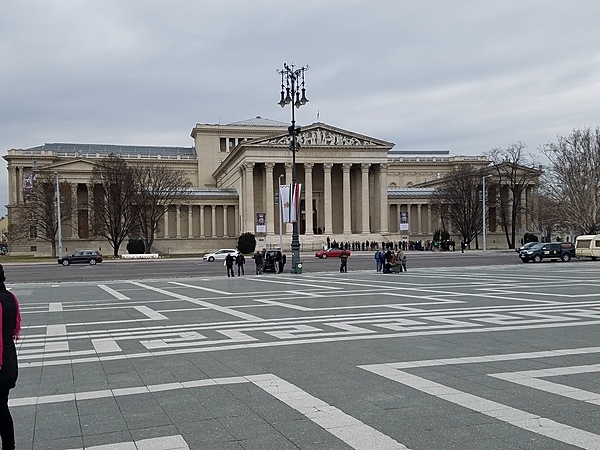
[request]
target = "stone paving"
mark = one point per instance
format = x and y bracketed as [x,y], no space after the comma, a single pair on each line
[503,357]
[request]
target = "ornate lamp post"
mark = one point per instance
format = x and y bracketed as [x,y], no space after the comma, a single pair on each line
[58,216]
[293,92]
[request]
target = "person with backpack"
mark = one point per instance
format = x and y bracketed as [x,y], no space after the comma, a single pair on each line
[240,261]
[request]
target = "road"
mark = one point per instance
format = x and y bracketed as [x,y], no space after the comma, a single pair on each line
[194,267]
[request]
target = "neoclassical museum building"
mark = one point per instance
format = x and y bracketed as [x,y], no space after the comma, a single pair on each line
[354,187]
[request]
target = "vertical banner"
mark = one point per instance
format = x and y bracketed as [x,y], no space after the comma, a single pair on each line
[403,220]
[290,201]
[261,226]
[284,195]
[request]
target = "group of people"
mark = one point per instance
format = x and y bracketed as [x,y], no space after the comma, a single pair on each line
[239,260]
[390,261]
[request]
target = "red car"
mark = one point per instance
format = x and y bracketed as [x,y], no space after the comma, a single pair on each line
[330,253]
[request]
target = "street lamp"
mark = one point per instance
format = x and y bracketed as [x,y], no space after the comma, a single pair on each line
[484,207]
[293,92]
[58,216]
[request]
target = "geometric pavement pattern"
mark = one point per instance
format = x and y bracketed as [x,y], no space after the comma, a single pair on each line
[473,357]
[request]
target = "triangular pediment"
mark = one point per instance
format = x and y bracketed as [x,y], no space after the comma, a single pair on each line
[74,165]
[322,135]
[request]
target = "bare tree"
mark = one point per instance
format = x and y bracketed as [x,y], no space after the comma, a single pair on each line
[514,171]
[113,213]
[459,203]
[157,189]
[575,171]
[39,218]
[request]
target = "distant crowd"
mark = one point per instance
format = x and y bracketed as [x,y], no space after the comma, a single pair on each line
[448,245]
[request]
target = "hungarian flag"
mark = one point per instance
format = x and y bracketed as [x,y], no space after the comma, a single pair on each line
[290,201]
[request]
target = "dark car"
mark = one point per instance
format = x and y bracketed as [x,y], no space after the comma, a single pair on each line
[330,253]
[82,257]
[273,261]
[553,251]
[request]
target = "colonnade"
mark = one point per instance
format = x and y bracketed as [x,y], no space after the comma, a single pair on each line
[362,189]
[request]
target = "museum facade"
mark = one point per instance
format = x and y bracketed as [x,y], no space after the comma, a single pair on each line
[354,187]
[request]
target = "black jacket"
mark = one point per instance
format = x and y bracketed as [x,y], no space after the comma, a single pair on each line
[9,370]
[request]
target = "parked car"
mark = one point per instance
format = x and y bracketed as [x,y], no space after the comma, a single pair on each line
[219,254]
[82,257]
[525,247]
[553,251]
[330,253]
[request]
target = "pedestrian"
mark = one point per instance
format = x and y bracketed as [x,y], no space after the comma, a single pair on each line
[258,260]
[344,261]
[282,260]
[10,327]
[404,261]
[240,261]
[229,259]
[378,261]
[462,246]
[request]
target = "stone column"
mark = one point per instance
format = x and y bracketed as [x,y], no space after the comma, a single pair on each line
[429,218]
[308,195]
[90,207]
[201,215]
[346,198]
[213,220]
[12,175]
[288,180]
[19,184]
[419,224]
[178,219]
[364,169]
[74,212]
[383,198]
[249,196]
[327,204]
[236,213]
[166,220]
[225,231]
[190,221]
[270,198]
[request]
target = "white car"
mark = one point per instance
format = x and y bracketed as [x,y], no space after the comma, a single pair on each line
[219,254]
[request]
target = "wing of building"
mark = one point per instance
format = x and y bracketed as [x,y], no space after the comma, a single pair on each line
[355,187]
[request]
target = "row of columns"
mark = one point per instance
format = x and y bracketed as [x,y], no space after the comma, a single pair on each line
[420,229]
[202,230]
[247,173]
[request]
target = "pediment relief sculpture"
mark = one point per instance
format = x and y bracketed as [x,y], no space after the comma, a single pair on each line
[322,137]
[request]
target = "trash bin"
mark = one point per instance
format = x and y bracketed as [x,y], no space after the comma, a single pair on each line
[299,267]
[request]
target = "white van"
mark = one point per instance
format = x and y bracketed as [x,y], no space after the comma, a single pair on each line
[588,246]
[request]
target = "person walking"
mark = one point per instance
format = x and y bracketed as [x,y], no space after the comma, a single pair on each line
[344,261]
[10,327]
[229,259]
[258,262]
[240,261]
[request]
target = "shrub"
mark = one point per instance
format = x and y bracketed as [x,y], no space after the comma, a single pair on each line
[246,243]
[136,247]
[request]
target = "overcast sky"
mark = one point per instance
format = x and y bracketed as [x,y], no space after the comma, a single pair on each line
[466,76]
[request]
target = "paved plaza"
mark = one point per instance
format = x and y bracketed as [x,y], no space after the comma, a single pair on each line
[503,357]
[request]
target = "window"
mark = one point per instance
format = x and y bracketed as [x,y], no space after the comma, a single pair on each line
[34,248]
[33,233]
